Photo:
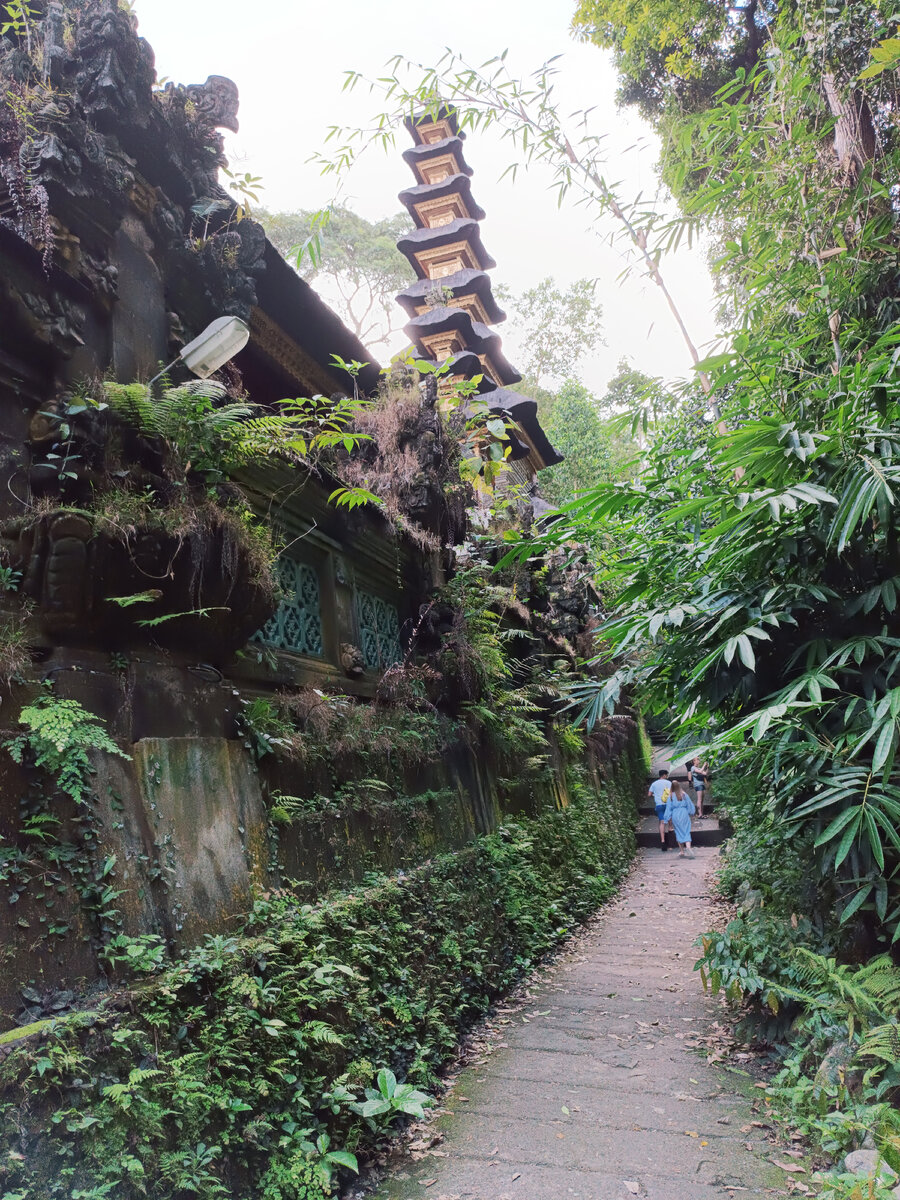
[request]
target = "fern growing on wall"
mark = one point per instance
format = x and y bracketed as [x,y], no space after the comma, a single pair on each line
[212,437]
[59,736]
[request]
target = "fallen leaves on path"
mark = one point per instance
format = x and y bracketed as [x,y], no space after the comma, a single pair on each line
[794,1168]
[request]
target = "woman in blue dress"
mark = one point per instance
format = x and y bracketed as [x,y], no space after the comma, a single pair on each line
[679,810]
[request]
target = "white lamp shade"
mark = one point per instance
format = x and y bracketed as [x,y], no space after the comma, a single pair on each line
[218,342]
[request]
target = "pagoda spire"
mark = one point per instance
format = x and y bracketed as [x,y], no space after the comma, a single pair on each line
[451,305]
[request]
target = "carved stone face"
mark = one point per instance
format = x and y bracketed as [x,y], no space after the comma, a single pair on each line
[117,68]
[352,660]
[216,102]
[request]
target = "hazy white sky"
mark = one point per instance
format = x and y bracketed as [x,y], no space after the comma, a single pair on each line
[288,58]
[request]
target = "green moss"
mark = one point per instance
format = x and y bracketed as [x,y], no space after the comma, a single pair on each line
[646,747]
[24,1031]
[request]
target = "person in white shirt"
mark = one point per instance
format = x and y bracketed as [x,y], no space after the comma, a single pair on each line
[660,790]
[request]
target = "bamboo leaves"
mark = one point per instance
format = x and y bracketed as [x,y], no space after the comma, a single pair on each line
[867,489]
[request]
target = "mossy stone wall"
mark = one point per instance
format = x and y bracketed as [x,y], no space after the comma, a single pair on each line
[280,1026]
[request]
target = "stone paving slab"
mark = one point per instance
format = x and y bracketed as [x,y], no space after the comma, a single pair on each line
[594,1091]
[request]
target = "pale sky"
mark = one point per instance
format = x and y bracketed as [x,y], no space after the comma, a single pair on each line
[288,58]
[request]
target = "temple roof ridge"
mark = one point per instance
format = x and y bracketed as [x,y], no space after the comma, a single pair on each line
[424,126]
[457,185]
[416,156]
[463,230]
[470,281]
[456,330]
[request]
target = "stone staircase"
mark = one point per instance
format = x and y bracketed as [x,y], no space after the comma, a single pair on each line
[709,831]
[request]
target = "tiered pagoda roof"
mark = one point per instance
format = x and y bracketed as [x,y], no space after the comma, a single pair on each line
[451,305]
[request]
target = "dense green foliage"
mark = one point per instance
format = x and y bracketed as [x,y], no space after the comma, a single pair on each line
[595,450]
[212,437]
[835,1025]
[358,258]
[756,588]
[672,54]
[250,1056]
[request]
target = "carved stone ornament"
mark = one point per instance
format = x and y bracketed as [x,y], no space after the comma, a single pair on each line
[55,322]
[272,341]
[231,261]
[54,42]
[215,102]
[352,660]
[116,79]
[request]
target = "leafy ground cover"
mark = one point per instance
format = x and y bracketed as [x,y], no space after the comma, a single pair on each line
[818,1010]
[265,1063]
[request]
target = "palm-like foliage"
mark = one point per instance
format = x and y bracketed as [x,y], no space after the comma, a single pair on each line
[757,589]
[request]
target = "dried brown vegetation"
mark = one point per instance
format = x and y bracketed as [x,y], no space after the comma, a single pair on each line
[410,461]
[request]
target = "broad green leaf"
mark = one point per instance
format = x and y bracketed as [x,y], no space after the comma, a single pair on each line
[745,649]
[885,745]
[856,903]
[850,835]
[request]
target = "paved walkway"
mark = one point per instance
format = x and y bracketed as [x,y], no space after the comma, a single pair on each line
[595,1092]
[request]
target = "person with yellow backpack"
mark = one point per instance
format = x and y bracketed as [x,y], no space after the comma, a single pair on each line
[659,792]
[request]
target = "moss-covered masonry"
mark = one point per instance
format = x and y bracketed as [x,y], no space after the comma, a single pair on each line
[254,1047]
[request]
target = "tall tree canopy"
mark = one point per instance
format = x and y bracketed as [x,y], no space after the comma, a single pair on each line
[631,392]
[557,327]
[359,258]
[596,450]
[674,51]
[673,59]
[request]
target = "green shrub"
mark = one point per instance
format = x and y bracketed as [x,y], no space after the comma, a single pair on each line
[836,1026]
[766,853]
[751,961]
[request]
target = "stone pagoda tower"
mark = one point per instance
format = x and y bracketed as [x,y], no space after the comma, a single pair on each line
[451,305]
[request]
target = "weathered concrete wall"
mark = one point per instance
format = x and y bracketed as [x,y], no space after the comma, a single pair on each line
[190,827]
[179,841]
[176,845]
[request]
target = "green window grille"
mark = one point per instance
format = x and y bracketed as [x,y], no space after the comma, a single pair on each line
[297,623]
[379,631]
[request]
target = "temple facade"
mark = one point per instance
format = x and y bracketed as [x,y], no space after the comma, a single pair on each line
[135,587]
[451,305]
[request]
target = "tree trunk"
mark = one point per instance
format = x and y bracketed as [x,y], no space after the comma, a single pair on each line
[854,133]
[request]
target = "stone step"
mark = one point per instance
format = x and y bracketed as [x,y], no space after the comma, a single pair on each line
[699,837]
[705,832]
[647,810]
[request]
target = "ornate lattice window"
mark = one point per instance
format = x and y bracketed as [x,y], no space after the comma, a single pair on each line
[379,631]
[297,623]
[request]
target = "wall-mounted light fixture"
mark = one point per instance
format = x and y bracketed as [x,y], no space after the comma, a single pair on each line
[220,341]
